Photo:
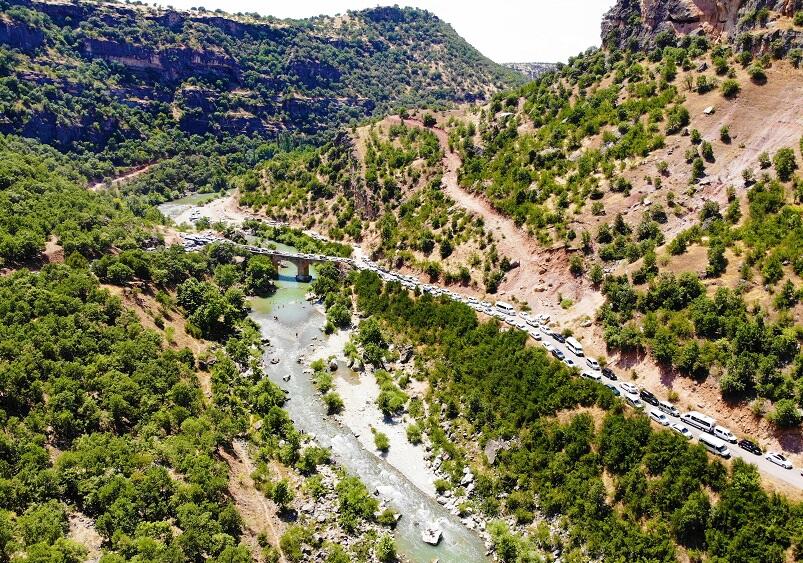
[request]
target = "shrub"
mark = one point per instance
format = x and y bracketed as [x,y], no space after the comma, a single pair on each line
[386,549]
[757,74]
[414,433]
[381,441]
[429,120]
[730,88]
[798,18]
[334,403]
[725,134]
[707,151]
[697,169]
[786,414]
[576,265]
[785,163]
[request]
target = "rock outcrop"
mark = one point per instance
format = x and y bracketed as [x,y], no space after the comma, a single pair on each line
[757,25]
[20,35]
[531,70]
[112,69]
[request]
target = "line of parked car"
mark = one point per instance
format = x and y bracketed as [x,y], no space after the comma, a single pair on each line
[714,437]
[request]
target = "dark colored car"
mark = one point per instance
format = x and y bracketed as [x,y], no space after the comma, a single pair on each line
[558,353]
[750,447]
[648,397]
[608,372]
[559,337]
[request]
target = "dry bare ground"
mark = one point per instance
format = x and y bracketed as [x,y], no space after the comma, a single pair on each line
[762,118]
[259,514]
[82,531]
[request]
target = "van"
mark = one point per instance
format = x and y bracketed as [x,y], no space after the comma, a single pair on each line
[634,401]
[574,346]
[592,363]
[714,445]
[724,434]
[668,408]
[506,308]
[699,421]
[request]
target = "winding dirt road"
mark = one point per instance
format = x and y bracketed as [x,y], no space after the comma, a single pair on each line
[511,241]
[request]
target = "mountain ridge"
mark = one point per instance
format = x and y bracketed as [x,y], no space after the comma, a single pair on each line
[204,73]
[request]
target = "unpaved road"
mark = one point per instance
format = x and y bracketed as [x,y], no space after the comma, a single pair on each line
[120,180]
[511,241]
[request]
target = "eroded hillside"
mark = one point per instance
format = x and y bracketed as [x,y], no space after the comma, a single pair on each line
[383,186]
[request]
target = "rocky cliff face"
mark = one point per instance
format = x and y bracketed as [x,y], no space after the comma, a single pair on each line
[643,23]
[531,70]
[27,38]
[219,74]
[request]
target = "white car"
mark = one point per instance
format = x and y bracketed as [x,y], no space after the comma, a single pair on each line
[569,362]
[634,401]
[682,430]
[593,364]
[659,417]
[629,388]
[545,330]
[669,409]
[724,434]
[778,459]
[535,334]
[588,374]
[544,318]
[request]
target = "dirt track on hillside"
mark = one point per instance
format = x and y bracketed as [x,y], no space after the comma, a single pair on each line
[543,279]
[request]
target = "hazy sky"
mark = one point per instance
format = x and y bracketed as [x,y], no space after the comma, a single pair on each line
[504,30]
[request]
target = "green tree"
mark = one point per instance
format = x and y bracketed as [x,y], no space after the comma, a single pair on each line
[717,262]
[785,164]
[786,414]
[730,88]
[259,275]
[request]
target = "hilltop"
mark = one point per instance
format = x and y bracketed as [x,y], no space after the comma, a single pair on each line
[130,83]
[751,25]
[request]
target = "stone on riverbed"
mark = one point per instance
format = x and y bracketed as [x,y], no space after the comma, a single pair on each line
[432,535]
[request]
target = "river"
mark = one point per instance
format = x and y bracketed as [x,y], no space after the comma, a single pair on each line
[293,326]
[293,332]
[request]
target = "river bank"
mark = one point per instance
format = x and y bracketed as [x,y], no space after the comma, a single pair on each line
[293,327]
[361,415]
